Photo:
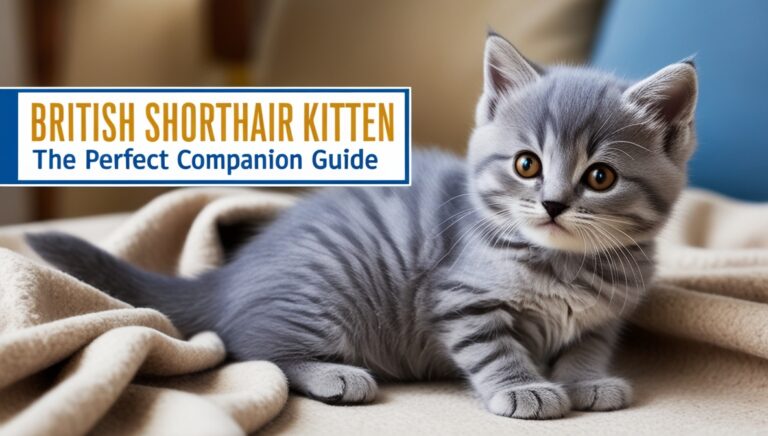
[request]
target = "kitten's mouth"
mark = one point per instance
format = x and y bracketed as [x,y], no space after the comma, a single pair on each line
[553,226]
[550,233]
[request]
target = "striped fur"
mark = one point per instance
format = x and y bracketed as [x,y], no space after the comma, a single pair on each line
[452,277]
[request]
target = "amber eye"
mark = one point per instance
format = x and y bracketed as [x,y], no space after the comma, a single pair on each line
[527,165]
[600,177]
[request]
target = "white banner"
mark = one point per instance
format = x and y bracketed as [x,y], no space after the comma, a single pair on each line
[242,136]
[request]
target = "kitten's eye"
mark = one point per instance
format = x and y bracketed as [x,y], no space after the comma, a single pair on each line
[527,165]
[600,177]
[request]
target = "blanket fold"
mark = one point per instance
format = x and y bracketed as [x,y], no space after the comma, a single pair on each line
[712,283]
[74,360]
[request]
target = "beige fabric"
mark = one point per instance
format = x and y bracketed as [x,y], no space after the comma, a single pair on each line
[69,353]
[698,360]
[434,46]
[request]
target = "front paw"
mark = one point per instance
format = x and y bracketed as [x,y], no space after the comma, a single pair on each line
[603,394]
[534,401]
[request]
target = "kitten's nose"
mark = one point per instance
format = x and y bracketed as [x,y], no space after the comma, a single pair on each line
[554,208]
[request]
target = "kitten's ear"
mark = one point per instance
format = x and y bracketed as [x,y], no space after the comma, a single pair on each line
[504,70]
[670,93]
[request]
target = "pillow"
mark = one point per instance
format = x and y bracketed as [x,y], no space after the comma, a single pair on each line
[730,42]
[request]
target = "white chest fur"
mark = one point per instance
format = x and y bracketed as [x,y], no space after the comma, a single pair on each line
[550,322]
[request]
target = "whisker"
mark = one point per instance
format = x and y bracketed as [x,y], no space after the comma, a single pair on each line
[611,263]
[594,241]
[635,267]
[618,149]
[483,232]
[482,223]
[453,198]
[631,240]
[627,127]
[602,126]
[584,255]
[628,142]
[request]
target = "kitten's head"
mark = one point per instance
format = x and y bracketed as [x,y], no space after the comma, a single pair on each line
[577,159]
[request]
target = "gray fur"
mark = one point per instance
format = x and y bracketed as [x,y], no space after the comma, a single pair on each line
[454,276]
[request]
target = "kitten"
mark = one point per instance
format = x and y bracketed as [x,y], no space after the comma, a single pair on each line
[512,270]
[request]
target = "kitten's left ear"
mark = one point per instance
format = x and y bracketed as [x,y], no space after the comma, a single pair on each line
[670,94]
[504,70]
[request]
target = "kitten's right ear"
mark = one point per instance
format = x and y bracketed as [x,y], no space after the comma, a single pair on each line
[504,70]
[670,94]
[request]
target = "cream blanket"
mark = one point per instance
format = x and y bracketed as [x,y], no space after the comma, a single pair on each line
[74,360]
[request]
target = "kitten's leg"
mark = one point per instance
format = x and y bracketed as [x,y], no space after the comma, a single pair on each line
[498,366]
[331,382]
[583,370]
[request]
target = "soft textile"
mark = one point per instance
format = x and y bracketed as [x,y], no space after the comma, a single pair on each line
[698,354]
[69,353]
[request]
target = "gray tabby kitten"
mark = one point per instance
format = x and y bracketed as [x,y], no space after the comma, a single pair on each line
[512,269]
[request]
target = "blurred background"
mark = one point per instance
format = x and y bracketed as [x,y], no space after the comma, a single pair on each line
[434,46]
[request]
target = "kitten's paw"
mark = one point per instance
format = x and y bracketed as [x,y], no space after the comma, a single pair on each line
[534,401]
[342,384]
[604,394]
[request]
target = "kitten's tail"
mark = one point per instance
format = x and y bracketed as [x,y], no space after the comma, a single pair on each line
[184,301]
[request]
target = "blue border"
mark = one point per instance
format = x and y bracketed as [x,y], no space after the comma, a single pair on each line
[9,164]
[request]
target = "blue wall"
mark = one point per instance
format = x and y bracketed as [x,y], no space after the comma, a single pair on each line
[730,41]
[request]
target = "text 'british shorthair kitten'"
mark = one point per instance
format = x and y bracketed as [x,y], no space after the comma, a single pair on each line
[511,269]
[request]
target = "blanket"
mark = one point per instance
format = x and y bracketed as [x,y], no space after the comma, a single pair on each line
[74,360]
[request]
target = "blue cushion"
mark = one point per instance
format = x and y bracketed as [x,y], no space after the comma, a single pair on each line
[730,41]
